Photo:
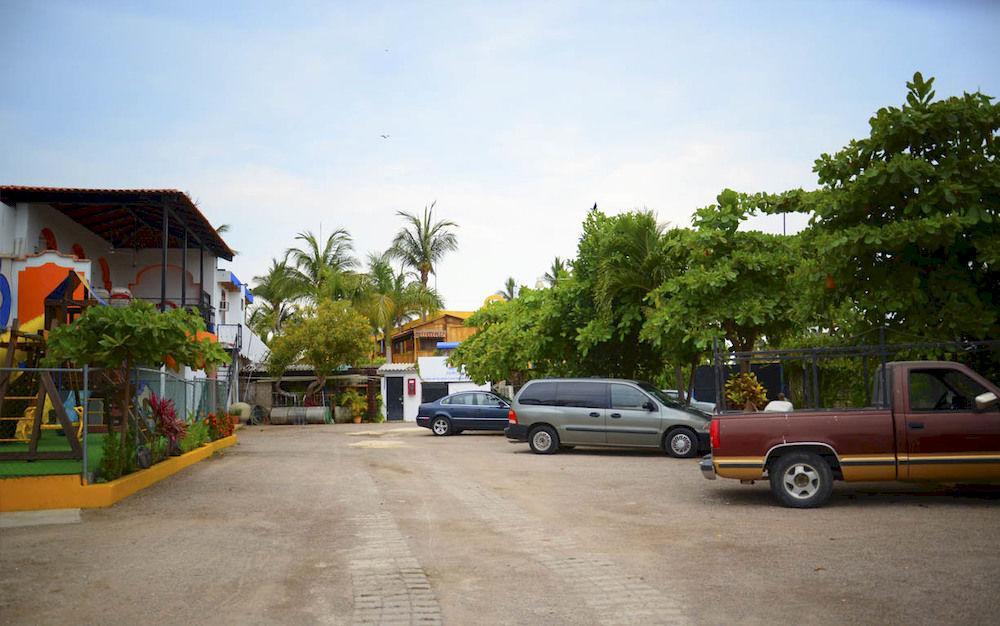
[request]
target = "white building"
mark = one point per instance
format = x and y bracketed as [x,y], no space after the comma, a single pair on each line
[149,244]
[406,385]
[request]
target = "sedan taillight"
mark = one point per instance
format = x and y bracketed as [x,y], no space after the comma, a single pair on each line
[512,416]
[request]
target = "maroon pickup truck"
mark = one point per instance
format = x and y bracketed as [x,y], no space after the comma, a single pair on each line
[939,421]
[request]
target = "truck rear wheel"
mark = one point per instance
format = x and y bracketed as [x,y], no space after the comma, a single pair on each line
[801,480]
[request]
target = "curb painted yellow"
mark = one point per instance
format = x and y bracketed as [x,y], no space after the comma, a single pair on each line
[33,493]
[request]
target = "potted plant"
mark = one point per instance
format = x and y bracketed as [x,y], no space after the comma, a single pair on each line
[355,403]
[745,391]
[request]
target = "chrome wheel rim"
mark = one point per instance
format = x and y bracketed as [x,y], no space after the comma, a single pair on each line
[542,440]
[440,427]
[801,481]
[680,444]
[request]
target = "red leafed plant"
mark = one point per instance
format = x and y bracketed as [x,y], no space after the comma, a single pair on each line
[167,422]
[220,426]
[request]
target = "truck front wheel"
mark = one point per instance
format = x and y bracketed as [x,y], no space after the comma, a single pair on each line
[801,480]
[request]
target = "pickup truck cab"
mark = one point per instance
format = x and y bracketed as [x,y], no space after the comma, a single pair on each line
[935,421]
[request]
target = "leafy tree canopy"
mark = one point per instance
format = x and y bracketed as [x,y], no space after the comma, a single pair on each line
[138,334]
[329,337]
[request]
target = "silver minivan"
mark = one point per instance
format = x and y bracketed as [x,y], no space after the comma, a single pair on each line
[568,412]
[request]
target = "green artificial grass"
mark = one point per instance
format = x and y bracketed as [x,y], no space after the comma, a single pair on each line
[50,440]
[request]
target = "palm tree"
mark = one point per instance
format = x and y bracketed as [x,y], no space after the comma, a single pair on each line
[391,299]
[276,292]
[509,291]
[558,270]
[313,263]
[421,243]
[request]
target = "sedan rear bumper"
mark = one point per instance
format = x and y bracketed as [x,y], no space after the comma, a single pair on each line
[423,421]
[706,467]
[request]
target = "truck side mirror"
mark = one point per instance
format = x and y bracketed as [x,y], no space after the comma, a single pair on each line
[986,401]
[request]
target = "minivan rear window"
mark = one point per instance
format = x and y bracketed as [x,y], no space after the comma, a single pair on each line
[538,394]
[583,394]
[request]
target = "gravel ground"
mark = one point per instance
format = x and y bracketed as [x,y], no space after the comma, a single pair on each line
[386,523]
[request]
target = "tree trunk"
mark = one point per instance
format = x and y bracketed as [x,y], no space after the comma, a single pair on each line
[388,346]
[679,382]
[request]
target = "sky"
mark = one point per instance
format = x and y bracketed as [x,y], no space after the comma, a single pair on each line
[515,118]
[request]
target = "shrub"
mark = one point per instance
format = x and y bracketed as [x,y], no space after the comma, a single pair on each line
[197,435]
[745,392]
[159,448]
[220,426]
[167,423]
[355,402]
[117,459]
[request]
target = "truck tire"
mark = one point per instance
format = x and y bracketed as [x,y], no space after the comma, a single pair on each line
[544,440]
[801,480]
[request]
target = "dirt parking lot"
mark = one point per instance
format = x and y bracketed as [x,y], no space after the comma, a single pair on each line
[386,523]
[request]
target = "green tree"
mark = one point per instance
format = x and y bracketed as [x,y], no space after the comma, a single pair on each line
[734,285]
[329,336]
[120,339]
[905,226]
[275,293]
[389,298]
[557,270]
[315,263]
[510,289]
[422,242]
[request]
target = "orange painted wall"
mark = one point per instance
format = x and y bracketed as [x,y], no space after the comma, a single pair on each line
[34,284]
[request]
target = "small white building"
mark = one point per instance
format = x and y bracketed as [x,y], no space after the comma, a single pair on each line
[406,385]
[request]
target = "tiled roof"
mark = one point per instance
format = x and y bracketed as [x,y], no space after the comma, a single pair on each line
[106,212]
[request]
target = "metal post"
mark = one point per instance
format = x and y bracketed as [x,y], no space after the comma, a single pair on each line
[715,375]
[184,271]
[163,260]
[864,374]
[85,418]
[815,380]
[884,375]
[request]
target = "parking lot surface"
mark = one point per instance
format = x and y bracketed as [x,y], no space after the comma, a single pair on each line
[385,523]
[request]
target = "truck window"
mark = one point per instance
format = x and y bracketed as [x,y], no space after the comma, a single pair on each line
[942,390]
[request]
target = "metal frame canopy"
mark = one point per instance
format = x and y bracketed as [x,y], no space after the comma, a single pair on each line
[129,218]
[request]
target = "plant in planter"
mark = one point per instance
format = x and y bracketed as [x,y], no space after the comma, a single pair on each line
[745,391]
[168,425]
[119,339]
[197,435]
[220,426]
[355,402]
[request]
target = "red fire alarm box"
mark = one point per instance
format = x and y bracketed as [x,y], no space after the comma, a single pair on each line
[411,386]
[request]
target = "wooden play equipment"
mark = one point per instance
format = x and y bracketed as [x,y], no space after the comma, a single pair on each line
[33,345]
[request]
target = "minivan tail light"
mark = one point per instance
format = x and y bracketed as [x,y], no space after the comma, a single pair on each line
[713,433]
[512,416]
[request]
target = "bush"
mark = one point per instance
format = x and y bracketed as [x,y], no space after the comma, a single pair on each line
[197,435]
[165,415]
[745,392]
[220,426]
[117,460]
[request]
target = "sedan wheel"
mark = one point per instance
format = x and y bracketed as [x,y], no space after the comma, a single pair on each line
[441,426]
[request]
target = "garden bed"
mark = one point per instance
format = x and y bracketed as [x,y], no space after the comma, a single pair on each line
[32,493]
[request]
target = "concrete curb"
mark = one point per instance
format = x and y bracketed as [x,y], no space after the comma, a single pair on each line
[66,491]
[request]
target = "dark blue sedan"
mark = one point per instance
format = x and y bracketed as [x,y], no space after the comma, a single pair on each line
[465,410]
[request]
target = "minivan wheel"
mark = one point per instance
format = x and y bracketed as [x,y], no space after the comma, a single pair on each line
[801,480]
[681,443]
[544,440]
[441,426]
